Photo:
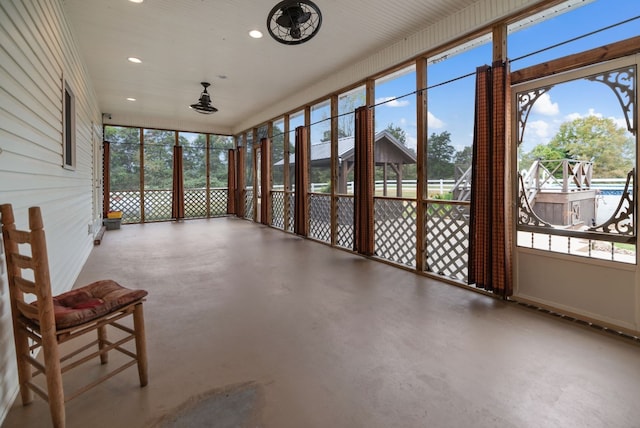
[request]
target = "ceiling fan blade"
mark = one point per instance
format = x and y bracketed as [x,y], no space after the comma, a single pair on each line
[284,21]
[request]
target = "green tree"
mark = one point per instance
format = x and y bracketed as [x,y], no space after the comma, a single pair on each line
[462,161]
[399,133]
[158,159]
[194,161]
[278,154]
[542,152]
[124,162]
[440,156]
[219,146]
[590,138]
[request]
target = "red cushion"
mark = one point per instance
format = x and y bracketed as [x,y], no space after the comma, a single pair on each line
[92,301]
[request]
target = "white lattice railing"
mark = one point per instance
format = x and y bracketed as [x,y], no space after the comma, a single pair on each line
[277,209]
[345,232]
[320,216]
[157,204]
[395,230]
[447,239]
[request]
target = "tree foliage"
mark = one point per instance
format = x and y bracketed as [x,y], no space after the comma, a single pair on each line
[590,138]
[124,162]
[158,159]
[440,155]
[399,133]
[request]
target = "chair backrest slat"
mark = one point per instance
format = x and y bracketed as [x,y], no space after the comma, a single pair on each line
[37,261]
[25,285]
[27,310]
[21,261]
[20,236]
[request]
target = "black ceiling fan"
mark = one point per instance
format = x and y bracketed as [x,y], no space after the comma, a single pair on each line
[204,103]
[294,22]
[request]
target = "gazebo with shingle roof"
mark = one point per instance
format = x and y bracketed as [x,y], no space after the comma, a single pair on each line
[388,153]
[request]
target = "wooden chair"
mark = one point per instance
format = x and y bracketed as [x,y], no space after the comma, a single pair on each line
[49,321]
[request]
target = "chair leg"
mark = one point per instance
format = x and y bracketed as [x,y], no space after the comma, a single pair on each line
[141,344]
[55,390]
[102,342]
[24,367]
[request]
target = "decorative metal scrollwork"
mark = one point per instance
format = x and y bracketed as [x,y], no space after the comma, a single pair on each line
[526,100]
[526,216]
[621,222]
[622,82]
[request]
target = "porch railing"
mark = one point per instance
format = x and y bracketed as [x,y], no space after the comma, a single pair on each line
[157,204]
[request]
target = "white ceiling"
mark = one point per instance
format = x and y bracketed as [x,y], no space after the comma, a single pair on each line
[184,42]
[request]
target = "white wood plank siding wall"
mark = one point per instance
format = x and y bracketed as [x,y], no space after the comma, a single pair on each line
[37,54]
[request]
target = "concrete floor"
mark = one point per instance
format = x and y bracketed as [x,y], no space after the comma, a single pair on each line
[331,339]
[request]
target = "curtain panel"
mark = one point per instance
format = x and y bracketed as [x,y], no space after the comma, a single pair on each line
[491,219]
[240,181]
[106,178]
[301,172]
[265,181]
[231,182]
[364,182]
[177,197]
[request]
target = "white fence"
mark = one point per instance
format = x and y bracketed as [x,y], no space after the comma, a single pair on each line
[442,186]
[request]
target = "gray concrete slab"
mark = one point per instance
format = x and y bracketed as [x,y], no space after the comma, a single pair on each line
[331,339]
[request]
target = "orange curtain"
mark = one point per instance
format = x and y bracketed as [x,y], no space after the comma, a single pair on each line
[490,240]
[106,178]
[177,205]
[364,182]
[265,181]
[300,213]
[231,182]
[240,181]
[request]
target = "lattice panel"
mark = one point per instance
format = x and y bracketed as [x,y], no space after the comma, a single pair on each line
[195,203]
[292,206]
[395,230]
[218,199]
[129,203]
[447,240]
[277,209]
[320,217]
[248,204]
[157,205]
[344,237]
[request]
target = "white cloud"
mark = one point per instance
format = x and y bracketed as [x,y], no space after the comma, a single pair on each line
[434,122]
[545,107]
[540,128]
[412,142]
[620,122]
[392,102]
[590,112]
[572,116]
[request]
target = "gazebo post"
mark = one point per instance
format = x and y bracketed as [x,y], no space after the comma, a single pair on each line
[399,180]
[384,178]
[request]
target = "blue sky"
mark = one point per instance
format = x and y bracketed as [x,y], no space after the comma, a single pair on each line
[451,106]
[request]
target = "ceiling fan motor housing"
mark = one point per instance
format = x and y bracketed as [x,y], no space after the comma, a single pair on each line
[294,22]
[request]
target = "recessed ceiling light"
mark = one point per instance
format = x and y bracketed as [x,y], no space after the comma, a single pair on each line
[134,60]
[255,34]
[131,99]
[136,1]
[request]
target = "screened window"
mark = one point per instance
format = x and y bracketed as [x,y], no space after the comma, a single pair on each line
[577,162]
[69,129]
